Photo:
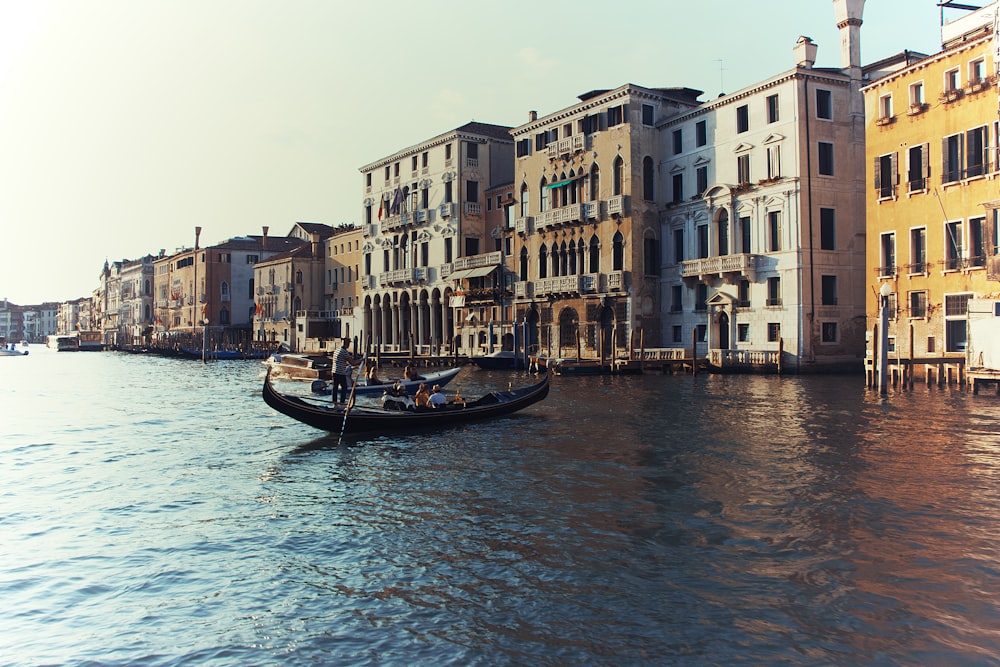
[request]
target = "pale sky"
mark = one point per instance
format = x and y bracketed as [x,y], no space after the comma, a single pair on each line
[126,123]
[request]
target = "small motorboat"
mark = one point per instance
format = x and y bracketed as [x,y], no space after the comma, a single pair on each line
[364,389]
[292,366]
[11,350]
[360,419]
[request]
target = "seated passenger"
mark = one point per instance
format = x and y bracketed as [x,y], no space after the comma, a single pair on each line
[372,377]
[437,399]
[410,373]
[422,397]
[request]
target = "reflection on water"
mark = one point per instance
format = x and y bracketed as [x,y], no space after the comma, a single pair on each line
[158,512]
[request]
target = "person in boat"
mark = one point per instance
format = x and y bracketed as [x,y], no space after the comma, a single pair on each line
[437,399]
[342,360]
[422,397]
[372,377]
[398,389]
[410,372]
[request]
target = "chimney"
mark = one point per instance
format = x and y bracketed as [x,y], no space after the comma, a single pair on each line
[314,237]
[848,14]
[805,52]
[263,240]
[532,116]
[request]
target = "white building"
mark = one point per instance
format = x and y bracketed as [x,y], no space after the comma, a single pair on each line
[764,217]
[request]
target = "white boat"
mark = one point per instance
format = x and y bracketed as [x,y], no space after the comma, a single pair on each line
[12,350]
[64,342]
[292,366]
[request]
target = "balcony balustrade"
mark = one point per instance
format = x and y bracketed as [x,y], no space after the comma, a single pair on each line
[743,264]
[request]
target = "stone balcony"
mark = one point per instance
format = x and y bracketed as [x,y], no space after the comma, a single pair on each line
[724,266]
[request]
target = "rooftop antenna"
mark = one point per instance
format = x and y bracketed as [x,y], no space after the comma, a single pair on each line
[722,87]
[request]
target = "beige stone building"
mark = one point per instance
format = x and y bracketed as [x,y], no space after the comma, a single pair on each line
[587,236]
[425,225]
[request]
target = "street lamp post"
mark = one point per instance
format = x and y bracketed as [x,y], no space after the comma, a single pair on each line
[883,344]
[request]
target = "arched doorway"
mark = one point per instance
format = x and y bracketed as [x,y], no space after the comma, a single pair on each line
[531,331]
[569,332]
[723,331]
[607,333]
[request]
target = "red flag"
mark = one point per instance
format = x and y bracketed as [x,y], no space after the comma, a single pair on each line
[380,209]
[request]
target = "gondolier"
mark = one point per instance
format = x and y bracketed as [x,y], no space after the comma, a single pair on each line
[342,358]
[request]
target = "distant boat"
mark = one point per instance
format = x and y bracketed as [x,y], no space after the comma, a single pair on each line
[64,342]
[376,420]
[91,341]
[293,366]
[578,366]
[499,360]
[12,351]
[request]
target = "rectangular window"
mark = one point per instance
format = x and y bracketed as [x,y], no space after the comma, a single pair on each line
[678,245]
[616,115]
[676,295]
[951,154]
[828,332]
[975,152]
[953,246]
[773,332]
[448,194]
[745,234]
[918,304]
[702,241]
[774,291]
[743,291]
[743,333]
[825,158]
[742,118]
[952,82]
[885,107]
[917,168]
[995,238]
[977,72]
[423,160]
[700,133]
[956,309]
[888,249]
[701,298]
[772,108]
[651,256]
[368,179]
[678,188]
[824,104]
[678,142]
[743,168]
[827,229]
[448,251]
[916,96]
[678,334]
[447,151]
[977,241]
[413,163]
[918,250]
[773,231]
[647,114]
[702,332]
[523,147]
[701,176]
[829,290]
[886,176]
[774,162]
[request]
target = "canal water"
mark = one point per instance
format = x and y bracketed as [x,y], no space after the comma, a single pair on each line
[157,512]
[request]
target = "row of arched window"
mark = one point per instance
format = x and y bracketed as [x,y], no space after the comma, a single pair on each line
[574,187]
[570,258]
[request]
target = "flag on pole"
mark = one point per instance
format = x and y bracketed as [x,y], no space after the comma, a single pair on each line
[380,205]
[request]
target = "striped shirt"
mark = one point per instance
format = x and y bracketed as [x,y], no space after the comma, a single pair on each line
[341,360]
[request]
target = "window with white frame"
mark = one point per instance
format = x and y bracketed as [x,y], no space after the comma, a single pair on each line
[885,106]
[918,250]
[774,161]
[743,168]
[951,158]
[916,95]
[887,246]
[952,81]
[977,71]
[886,175]
[953,253]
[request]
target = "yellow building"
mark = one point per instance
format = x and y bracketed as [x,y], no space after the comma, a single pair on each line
[932,179]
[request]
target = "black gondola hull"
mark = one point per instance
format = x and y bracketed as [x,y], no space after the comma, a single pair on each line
[369,420]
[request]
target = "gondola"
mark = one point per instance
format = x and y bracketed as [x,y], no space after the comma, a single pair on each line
[376,420]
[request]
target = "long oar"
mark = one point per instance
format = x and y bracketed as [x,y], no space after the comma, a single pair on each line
[350,399]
